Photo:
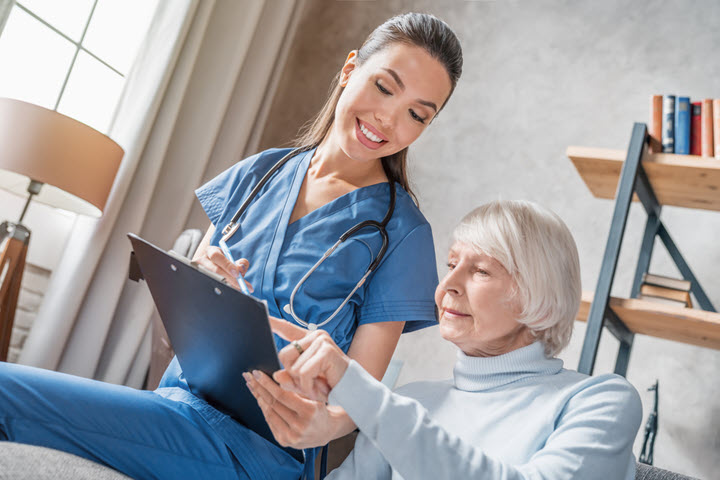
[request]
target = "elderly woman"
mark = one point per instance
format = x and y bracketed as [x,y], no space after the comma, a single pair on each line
[511,411]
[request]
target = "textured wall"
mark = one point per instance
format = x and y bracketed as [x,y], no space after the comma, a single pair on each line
[540,76]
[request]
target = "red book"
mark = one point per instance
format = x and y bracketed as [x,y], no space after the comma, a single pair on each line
[696,128]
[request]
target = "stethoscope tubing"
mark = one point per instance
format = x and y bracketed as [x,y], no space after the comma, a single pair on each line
[233,225]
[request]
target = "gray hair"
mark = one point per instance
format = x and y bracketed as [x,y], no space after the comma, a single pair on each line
[538,251]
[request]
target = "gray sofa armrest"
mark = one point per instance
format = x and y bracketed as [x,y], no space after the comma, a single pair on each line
[647,472]
[26,462]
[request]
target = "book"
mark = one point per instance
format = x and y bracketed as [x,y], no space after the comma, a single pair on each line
[668,130]
[696,128]
[667,282]
[682,125]
[707,149]
[683,296]
[656,103]
[716,126]
[664,301]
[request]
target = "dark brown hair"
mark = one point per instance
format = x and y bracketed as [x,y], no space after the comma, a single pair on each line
[417,29]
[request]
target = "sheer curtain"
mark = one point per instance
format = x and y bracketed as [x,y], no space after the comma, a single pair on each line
[192,99]
[5,7]
[145,88]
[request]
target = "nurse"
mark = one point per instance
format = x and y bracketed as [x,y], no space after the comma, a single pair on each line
[352,158]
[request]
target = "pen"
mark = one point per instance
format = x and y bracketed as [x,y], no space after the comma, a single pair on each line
[240,279]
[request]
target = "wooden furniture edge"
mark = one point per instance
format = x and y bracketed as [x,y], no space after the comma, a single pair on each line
[687,325]
[688,181]
[671,159]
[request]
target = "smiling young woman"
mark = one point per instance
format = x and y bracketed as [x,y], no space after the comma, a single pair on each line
[377,116]
[421,37]
[350,169]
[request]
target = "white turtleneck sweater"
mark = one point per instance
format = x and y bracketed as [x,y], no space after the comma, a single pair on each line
[515,416]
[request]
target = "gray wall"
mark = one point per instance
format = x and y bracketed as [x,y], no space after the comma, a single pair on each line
[539,76]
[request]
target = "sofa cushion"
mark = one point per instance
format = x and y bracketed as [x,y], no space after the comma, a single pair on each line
[647,472]
[21,462]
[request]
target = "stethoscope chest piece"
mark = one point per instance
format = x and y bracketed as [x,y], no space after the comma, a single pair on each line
[310,326]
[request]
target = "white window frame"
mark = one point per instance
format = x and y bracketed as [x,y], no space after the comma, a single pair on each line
[78,45]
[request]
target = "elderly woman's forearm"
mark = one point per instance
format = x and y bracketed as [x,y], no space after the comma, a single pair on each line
[591,440]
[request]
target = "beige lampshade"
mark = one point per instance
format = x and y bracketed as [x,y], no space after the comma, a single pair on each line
[76,163]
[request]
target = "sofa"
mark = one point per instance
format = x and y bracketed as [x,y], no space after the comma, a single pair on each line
[27,462]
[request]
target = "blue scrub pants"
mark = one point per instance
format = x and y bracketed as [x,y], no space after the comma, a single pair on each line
[139,433]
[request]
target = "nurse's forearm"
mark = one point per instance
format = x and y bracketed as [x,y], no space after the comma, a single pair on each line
[373,346]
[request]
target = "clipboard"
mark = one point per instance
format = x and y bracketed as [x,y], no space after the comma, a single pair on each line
[217,333]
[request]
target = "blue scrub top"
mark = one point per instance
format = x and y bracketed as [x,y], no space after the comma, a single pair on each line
[401,288]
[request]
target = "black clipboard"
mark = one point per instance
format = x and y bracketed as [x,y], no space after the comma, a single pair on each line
[217,333]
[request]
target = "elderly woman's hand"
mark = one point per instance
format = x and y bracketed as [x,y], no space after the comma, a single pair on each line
[294,420]
[296,410]
[313,363]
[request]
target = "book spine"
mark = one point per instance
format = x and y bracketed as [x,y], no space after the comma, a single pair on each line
[716,126]
[682,125]
[696,128]
[668,131]
[707,128]
[666,282]
[656,103]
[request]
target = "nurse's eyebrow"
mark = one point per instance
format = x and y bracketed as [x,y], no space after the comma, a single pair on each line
[394,74]
[400,83]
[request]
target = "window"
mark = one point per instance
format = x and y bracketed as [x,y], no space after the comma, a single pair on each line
[72,56]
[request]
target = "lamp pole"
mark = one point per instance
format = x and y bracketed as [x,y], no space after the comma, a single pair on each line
[14,240]
[33,189]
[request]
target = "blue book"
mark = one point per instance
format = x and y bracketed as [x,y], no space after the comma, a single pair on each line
[682,125]
[668,124]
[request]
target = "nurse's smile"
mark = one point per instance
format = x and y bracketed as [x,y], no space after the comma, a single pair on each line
[368,135]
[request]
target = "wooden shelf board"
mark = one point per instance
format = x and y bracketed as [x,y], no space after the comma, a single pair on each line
[680,180]
[687,325]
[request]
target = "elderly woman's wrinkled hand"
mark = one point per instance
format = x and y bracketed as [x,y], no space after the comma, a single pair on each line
[296,409]
[294,420]
[313,363]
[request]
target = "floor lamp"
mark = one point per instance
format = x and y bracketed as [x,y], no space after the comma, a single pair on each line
[51,159]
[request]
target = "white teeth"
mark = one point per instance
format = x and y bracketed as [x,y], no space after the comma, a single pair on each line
[371,136]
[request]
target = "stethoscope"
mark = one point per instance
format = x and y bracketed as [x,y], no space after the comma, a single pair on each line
[232,227]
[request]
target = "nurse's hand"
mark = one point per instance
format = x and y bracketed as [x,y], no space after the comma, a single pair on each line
[214,260]
[294,420]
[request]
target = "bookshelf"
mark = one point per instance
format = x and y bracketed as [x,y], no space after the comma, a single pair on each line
[678,180]
[654,180]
